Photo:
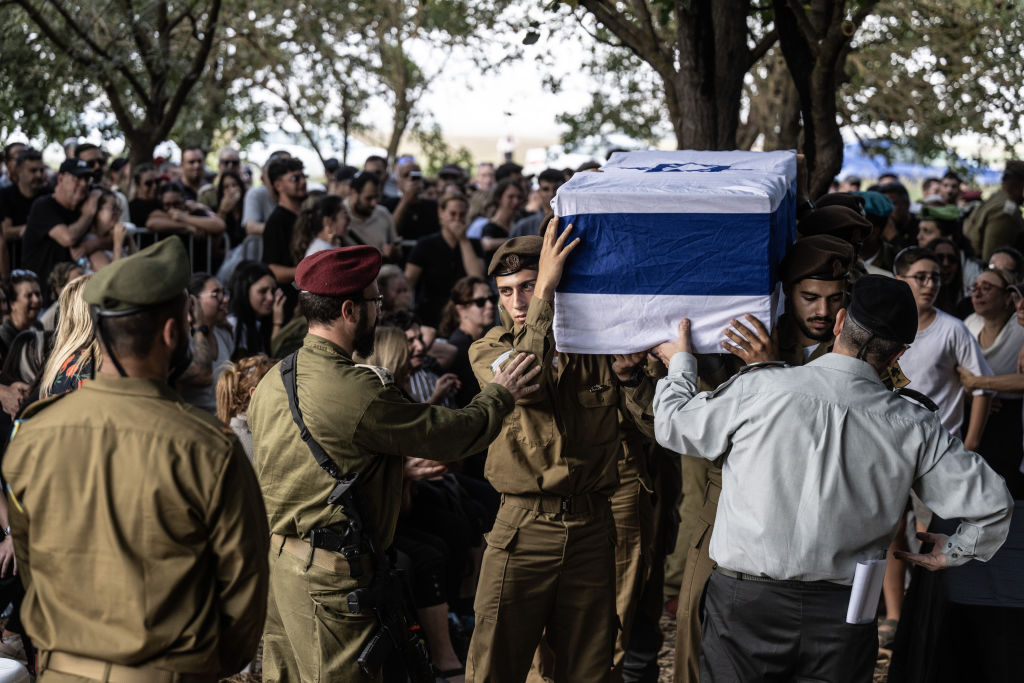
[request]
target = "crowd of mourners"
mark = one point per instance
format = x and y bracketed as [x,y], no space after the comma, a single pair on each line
[247,229]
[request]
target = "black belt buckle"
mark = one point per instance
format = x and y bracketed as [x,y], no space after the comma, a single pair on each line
[326,539]
[565,505]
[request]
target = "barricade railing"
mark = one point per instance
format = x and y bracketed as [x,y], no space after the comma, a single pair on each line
[143,237]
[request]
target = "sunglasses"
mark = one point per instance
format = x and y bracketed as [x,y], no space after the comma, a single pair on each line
[480,302]
[230,162]
[297,177]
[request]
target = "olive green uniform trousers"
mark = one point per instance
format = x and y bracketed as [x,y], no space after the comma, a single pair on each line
[546,571]
[698,569]
[310,636]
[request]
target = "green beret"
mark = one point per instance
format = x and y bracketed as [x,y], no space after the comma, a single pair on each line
[518,253]
[153,276]
[940,213]
[876,204]
[821,257]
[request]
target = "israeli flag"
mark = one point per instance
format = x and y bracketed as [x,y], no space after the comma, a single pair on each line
[671,235]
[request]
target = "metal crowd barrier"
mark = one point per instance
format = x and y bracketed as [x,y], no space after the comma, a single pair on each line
[143,237]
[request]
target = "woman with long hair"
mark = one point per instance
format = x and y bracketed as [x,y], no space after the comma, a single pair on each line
[256,308]
[234,390]
[950,299]
[321,225]
[994,325]
[76,353]
[466,317]
[506,198]
[213,342]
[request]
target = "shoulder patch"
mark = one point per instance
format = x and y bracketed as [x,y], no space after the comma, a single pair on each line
[744,370]
[496,365]
[383,374]
[917,397]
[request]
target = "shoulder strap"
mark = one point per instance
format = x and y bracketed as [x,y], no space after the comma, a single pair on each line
[290,388]
[744,370]
[918,397]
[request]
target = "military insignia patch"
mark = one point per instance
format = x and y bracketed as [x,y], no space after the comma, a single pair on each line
[512,263]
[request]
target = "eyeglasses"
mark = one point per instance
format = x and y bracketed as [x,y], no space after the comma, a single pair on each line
[95,163]
[230,162]
[481,301]
[379,299]
[297,177]
[985,288]
[217,293]
[924,278]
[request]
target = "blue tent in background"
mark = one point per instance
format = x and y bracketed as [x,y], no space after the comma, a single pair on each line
[856,162]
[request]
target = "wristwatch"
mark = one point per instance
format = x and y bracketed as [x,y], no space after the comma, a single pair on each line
[202,329]
[4,533]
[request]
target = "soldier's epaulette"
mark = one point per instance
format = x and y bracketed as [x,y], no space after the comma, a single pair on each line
[917,397]
[383,374]
[744,370]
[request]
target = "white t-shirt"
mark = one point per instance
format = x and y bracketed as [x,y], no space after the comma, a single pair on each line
[1001,356]
[318,245]
[931,361]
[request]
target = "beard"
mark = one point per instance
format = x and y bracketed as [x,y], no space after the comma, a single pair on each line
[824,335]
[363,343]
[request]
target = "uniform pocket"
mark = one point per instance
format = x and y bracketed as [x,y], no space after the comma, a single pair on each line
[494,569]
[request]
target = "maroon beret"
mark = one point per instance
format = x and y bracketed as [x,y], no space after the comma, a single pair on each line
[338,272]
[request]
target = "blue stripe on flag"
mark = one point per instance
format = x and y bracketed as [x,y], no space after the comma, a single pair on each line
[676,253]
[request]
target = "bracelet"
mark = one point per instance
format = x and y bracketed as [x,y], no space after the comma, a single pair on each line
[202,329]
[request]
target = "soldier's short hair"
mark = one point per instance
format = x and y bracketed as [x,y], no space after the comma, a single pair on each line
[879,352]
[132,335]
[319,309]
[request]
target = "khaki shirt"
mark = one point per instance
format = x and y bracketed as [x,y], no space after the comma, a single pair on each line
[366,425]
[990,226]
[562,439]
[139,530]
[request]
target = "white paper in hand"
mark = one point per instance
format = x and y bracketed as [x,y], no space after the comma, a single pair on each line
[867,587]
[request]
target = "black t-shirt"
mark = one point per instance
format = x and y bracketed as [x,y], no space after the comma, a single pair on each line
[442,268]
[41,252]
[277,237]
[492,230]
[15,205]
[461,367]
[419,220]
[139,210]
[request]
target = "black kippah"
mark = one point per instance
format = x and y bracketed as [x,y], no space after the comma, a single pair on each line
[884,307]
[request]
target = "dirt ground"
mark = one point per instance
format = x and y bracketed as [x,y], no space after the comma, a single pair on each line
[666,659]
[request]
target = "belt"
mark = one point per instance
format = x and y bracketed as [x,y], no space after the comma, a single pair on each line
[325,559]
[542,502]
[108,672]
[792,583]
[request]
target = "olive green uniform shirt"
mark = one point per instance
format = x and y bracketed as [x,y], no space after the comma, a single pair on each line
[365,424]
[138,528]
[564,438]
[992,225]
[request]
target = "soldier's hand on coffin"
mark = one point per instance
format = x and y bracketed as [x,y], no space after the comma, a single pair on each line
[681,344]
[625,364]
[553,256]
[753,344]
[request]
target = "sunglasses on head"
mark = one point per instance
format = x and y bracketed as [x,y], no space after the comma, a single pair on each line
[481,301]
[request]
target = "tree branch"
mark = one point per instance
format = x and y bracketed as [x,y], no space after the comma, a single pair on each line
[630,35]
[761,49]
[195,69]
[804,24]
[142,41]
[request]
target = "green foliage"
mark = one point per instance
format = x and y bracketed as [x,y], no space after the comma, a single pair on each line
[436,152]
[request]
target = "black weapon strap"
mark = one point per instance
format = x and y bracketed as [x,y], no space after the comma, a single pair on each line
[344,493]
